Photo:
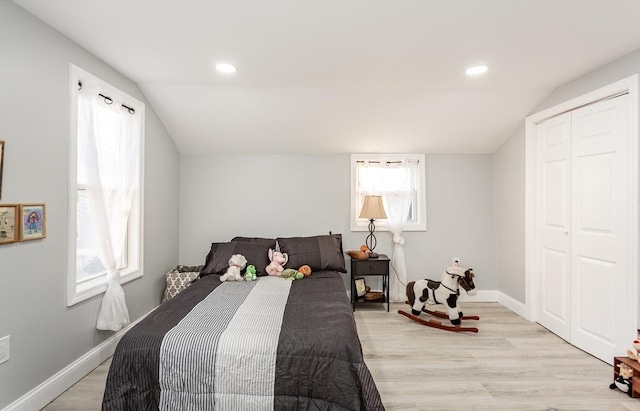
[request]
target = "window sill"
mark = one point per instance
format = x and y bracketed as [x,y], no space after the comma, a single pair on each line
[383,227]
[98,286]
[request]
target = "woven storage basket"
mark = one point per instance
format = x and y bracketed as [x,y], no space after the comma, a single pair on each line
[373,295]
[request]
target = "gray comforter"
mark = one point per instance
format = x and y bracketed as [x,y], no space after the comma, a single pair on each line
[272,344]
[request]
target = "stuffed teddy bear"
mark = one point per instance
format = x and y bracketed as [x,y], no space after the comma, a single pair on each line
[278,260]
[623,380]
[291,274]
[236,264]
[305,270]
[250,273]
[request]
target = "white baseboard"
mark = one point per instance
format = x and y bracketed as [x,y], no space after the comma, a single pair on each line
[49,390]
[483,296]
[495,296]
[512,304]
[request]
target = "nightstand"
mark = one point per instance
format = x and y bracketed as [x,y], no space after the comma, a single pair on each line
[371,267]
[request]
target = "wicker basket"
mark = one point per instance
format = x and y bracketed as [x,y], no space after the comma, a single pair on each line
[373,295]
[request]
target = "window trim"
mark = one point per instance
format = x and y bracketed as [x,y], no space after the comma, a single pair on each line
[361,224]
[80,291]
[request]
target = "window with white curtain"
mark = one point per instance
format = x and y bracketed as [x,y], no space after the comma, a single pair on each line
[390,176]
[114,121]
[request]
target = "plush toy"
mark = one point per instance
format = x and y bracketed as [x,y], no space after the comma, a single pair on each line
[623,380]
[636,355]
[445,291]
[250,273]
[278,260]
[291,274]
[236,264]
[305,269]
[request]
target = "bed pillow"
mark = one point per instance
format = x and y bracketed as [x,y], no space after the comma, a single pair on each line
[321,252]
[269,242]
[217,261]
[178,279]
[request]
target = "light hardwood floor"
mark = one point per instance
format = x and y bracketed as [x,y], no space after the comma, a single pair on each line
[511,364]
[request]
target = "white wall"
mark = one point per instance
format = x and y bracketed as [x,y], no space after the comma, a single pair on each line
[618,69]
[509,190]
[46,335]
[509,165]
[223,196]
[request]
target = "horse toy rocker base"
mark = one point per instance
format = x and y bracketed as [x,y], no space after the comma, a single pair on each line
[445,291]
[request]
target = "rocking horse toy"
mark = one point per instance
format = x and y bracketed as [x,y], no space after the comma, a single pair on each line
[445,291]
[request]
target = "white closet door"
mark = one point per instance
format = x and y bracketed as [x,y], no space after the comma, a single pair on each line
[554,219]
[599,209]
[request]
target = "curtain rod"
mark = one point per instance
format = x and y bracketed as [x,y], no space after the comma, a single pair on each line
[378,162]
[108,100]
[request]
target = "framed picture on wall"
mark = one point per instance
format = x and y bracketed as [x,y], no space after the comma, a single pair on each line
[1,163]
[9,223]
[33,222]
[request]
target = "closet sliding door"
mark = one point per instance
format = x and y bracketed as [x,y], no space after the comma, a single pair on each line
[599,209]
[554,223]
[582,212]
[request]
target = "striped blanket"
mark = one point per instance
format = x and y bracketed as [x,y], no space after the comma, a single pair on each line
[272,344]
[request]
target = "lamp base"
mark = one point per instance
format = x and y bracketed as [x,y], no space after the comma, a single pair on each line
[371,241]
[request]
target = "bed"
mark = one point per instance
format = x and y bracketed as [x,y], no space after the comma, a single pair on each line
[270,344]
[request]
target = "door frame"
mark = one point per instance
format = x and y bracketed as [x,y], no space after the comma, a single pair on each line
[532,271]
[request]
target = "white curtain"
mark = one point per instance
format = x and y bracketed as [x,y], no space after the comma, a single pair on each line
[397,206]
[108,166]
[395,182]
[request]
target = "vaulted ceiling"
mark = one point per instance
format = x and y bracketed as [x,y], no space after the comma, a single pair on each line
[346,76]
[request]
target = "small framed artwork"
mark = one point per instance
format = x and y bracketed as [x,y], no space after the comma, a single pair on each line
[9,223]
[33,222]
[1,163]
[361,287]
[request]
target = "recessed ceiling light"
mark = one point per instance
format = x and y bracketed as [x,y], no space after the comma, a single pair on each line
[476,70]
[226,68]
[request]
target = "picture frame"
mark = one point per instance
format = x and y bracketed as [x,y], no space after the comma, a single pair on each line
[33,221]
[361,287]
[1,164]
[9,223]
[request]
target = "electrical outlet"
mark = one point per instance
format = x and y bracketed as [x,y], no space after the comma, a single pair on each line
[4,349]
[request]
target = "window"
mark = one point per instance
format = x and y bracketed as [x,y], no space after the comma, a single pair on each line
[389,175]
[106,147]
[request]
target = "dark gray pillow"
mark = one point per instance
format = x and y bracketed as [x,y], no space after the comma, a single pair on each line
[321,252]
[269,242]
[217,261]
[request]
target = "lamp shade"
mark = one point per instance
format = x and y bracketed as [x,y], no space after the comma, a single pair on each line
[373,208]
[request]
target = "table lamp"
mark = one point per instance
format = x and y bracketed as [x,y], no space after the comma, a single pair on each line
[372,209]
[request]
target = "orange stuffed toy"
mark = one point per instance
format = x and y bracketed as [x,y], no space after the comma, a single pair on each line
[305,269]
